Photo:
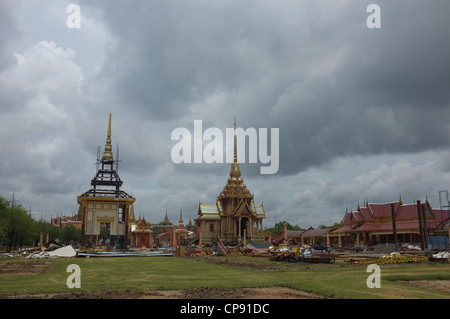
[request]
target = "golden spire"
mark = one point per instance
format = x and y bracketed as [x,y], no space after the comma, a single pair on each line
[235,143]
[235,186]
[108,155]
[235,172]
[131,216]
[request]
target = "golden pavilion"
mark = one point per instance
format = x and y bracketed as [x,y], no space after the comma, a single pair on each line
[234,218]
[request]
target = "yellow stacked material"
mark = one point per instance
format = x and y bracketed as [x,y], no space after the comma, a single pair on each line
[395,258]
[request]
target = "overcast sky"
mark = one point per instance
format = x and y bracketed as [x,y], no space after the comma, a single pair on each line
[362,112]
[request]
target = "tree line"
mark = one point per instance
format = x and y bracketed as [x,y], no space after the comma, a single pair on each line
[279,227]
[19,229]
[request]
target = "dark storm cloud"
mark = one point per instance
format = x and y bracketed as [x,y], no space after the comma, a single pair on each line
[384,91]
[332,86]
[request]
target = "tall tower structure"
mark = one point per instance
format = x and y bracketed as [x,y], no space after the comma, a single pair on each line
[236,201]
[105,205]
[235,216]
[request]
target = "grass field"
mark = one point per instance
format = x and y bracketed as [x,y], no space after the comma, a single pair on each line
[338,280]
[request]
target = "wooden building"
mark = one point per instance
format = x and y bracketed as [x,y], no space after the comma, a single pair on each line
[393,222]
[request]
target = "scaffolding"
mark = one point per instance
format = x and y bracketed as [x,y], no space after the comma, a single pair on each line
[443,200]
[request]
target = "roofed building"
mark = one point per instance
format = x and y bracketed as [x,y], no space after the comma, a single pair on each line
[141,234]
[389,223]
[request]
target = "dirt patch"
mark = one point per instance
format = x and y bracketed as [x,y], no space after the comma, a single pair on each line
[248,293]
[195,293]
[25,268]
[262,264]
[440,285]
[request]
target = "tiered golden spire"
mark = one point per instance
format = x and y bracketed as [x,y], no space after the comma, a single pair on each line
[107,154]
[235,186]
[235,172]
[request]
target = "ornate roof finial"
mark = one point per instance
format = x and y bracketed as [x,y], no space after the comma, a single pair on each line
[181,216]
[235,143]
[108,155]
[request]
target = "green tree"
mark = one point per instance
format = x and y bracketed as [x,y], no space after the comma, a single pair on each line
[4,217]
[70,234]
[278,227]
[18,227]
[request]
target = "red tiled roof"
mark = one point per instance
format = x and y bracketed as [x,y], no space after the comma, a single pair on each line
[383,210]
[365,212]
[346,219]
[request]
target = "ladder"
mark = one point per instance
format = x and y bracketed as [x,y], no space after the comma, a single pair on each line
[221,247]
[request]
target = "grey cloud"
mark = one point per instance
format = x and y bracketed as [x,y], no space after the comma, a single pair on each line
[334,88]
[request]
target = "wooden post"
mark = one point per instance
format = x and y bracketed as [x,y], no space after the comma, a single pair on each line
[285,233]
[421,230]
[394,226]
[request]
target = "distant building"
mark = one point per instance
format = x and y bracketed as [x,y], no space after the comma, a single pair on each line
[141,234]
[63,221]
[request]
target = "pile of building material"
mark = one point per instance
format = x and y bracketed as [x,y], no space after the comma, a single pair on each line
[442,256]
[127,253]
[392,258]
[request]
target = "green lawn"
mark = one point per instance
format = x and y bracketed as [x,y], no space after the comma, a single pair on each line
[338,280]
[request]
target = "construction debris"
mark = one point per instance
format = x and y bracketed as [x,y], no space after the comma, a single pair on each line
[302,254]
[54,252]
[442,256]
[126,253]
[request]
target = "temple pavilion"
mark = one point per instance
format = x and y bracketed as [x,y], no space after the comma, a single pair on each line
[106,206]
[234,216]
[391,222]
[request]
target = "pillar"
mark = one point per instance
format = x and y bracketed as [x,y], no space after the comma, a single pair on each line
[285,233]
[174,238]
[240,228]
[245,238]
